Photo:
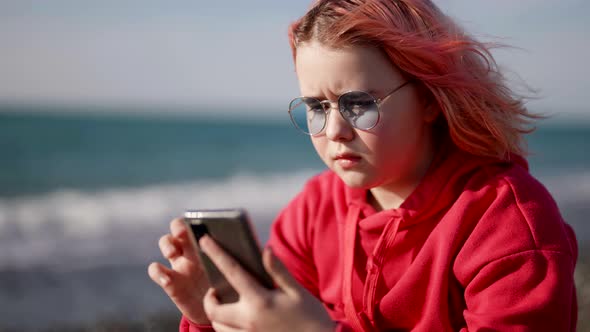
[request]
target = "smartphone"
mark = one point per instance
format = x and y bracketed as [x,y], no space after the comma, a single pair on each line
[232,230]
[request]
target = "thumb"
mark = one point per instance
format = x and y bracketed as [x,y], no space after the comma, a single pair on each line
[279,273]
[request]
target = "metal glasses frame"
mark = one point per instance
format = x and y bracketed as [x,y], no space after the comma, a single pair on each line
[327,106]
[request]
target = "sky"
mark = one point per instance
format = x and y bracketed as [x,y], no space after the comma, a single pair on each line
[198,55]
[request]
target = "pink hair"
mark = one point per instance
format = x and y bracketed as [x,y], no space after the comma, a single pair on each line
[482,115]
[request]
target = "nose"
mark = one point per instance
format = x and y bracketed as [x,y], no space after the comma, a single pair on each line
[337,128]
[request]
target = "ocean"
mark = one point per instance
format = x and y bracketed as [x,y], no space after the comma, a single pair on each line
[84,198]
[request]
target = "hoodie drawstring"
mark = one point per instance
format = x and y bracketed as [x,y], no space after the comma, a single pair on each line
[362,320]
[375,265]
[350,230]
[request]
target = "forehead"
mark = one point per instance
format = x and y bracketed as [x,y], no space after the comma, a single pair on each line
[327,70]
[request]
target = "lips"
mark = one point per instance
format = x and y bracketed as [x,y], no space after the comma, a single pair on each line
[347,160]
[346,156]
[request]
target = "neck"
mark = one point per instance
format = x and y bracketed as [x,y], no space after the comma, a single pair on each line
[393,195]
[385,200]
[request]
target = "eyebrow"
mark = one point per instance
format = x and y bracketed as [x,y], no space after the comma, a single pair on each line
[372,92]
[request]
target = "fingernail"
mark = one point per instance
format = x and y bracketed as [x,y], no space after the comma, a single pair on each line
[164,280]
[168,251]
[270,253]
[273,260]
[177,232]
[204,242]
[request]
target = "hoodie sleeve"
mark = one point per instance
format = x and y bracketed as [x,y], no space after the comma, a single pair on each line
[291,239]
[188,326]
[526,291]
[517,267]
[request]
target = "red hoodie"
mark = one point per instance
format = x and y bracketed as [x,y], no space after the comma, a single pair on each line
[480,245]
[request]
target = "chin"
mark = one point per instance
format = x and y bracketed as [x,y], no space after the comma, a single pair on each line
[356,180]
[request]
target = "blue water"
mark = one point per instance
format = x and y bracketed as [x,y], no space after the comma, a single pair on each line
[85,196]
[44,152]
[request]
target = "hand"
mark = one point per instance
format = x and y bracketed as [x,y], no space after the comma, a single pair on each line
[288,307]
[185,283]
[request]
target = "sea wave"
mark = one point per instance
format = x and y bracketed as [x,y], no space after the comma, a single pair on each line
[569,187]
[69,228]
[571,191]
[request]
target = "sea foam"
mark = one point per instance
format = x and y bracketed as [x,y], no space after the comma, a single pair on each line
[68,227]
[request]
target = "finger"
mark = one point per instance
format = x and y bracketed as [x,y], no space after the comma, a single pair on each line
[173,283]
[226,314]
[160,274]
[178,227]
[235,274]
[182,239]
[279,272]
[219,327]
[168,247]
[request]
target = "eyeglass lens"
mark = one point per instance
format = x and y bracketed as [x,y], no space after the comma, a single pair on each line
[357,107]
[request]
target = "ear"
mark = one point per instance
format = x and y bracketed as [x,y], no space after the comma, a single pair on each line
[430,107]
[431,110]
[431,113]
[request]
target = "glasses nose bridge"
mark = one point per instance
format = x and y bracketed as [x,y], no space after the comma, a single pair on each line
[329,104]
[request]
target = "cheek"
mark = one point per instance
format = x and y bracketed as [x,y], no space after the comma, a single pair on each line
[395,140]
[319,144]
[401,126]
[382,147]
[389,135]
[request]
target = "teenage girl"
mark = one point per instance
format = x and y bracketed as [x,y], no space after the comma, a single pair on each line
[427,219]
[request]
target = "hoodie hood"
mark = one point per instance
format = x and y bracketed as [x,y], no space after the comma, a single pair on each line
[443,182]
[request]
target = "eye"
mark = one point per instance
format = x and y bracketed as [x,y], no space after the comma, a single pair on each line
[312,105]
[358,109]
[315,109]
[361,102]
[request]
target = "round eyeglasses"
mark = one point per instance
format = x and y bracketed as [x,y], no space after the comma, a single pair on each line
[360,109]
